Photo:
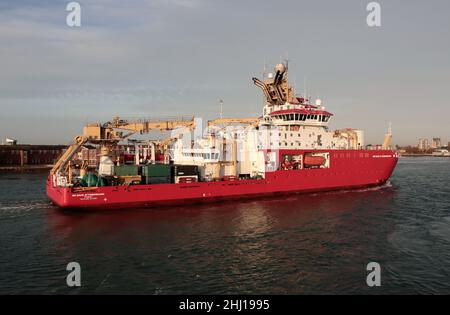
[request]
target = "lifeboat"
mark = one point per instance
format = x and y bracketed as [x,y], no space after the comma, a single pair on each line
[314,160]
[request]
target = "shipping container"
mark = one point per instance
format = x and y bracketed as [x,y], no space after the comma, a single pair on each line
[185,170]
[156,170]
[130,180]
[129,158]
[126,170]
[186,179]
[89,180]
[157,180]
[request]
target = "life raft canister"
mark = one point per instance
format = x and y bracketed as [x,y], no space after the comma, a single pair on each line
[314,160]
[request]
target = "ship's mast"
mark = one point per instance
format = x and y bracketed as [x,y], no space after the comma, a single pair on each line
[287,77]
[388,138]
[264,77]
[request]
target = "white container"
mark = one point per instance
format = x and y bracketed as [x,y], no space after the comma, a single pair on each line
[106,166]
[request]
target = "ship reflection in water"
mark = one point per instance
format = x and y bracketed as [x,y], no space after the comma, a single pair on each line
[299,244]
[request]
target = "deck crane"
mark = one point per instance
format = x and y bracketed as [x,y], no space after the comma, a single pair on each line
[227,121]
[109,134]
[276,90]
[350,135]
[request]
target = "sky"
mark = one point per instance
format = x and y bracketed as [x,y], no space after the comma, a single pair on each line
[166,58]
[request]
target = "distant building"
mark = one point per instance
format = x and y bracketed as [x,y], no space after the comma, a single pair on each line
[423,144]
[9,141]
[436,143]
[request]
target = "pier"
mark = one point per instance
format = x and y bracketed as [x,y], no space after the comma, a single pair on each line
[28,158]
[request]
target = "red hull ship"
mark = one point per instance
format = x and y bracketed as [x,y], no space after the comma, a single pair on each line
[286,151]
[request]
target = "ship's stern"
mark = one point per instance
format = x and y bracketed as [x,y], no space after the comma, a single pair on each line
[57,195]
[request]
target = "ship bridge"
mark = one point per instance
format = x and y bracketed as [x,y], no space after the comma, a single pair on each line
[284,108]
[297,114]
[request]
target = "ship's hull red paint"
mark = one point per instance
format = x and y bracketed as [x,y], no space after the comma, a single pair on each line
[349,169]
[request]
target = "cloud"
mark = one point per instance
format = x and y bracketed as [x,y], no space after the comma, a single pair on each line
[176,3]
[165,56]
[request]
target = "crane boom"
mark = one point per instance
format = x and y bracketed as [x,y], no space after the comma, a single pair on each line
[111,133]
[68,154]
[143,125]
[113,130]
[249,121]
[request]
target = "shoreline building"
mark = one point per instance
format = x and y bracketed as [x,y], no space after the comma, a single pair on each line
[436,143]
[423,144]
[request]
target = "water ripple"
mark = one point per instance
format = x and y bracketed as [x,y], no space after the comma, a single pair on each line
[301,244]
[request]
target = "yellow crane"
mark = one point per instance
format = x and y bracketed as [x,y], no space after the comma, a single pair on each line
[114,129]
[167,141]
[68,154]
[110,133]
[227,121]
[350,134]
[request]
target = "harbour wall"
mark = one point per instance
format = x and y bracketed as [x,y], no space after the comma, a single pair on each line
[18,158]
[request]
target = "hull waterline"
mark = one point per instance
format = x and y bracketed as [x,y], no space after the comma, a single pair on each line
[349,170]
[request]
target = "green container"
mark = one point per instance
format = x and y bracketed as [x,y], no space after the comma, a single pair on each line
[157,180]
[126,170]
[156,170]
[102,182]
[89,180]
